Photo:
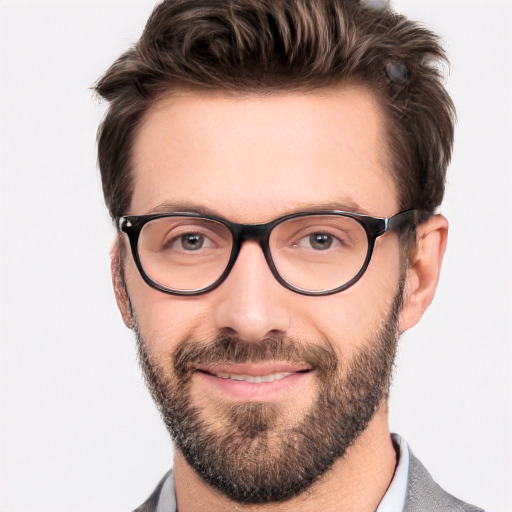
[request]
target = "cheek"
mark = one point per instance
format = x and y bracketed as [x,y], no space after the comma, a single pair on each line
[349,320]
[164,320]
[345,321]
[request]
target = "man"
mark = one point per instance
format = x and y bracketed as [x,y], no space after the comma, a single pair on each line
[274,169]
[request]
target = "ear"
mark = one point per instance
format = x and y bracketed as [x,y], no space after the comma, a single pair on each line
[423,270]
[118,282]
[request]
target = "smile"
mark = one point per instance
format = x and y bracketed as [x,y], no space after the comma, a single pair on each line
[254,378]
[254,381]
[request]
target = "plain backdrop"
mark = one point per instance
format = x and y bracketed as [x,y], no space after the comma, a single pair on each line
[79,432]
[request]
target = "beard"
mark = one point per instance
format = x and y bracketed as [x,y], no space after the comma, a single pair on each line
[245,450]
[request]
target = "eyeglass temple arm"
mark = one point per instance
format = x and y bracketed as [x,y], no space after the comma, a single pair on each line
[122,223]
[408,217]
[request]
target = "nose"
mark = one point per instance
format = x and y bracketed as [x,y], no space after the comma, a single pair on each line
[251,303]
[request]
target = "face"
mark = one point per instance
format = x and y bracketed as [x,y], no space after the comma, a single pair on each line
[249,373]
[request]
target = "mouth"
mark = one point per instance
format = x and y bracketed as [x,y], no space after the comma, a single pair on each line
[254,378]
[258,381]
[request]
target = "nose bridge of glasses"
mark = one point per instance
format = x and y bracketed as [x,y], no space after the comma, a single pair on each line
[258,233]
[255,232]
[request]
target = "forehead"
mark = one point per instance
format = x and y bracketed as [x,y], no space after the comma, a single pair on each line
[251,158]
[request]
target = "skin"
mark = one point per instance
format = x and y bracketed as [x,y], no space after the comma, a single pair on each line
[250,159]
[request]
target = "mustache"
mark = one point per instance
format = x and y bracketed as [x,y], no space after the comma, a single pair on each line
[231,349]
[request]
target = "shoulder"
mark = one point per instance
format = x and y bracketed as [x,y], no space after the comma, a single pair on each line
[423,493]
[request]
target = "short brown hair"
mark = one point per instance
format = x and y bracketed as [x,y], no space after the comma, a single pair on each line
[276,45]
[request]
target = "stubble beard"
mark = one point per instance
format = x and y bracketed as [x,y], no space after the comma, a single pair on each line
[251,458]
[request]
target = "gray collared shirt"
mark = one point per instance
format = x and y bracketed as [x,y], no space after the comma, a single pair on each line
[393,500]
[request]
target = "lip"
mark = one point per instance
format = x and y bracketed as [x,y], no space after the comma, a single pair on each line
[254,369]
[291,377]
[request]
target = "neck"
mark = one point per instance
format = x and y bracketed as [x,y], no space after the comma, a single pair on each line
[358,481]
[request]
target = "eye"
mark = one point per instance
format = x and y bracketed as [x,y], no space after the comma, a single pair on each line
[191,241]
[184,237]
[320,241]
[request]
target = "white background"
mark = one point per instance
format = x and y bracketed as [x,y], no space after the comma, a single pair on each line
[78,430]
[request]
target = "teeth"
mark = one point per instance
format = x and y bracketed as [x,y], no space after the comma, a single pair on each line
[254,378]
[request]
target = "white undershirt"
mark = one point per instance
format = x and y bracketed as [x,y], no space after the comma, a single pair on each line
[394,499]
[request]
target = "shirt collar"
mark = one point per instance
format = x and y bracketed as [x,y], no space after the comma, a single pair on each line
[394,499]
[167,499]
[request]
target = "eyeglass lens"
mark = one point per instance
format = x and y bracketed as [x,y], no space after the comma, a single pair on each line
[314,252]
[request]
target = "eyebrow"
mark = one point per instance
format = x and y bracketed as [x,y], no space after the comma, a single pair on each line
[346,205]
[170,207]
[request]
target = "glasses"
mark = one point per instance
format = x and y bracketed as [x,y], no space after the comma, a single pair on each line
[312,253]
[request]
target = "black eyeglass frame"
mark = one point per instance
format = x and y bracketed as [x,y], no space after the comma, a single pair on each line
[374,227]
